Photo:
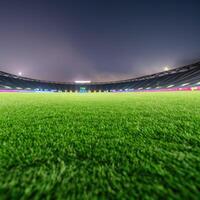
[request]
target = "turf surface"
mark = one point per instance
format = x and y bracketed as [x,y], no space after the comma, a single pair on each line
[100,146]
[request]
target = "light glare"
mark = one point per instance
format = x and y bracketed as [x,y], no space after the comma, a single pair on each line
[82,81]
[166,68]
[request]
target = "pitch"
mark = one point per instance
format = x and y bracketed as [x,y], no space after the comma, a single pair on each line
[100,146]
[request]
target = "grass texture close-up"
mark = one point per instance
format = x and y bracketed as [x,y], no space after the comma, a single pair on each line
[100,146]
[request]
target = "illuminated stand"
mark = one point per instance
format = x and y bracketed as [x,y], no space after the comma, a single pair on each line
[184,78]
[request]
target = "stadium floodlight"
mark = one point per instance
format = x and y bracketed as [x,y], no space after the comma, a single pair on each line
[82,82]
[166,68]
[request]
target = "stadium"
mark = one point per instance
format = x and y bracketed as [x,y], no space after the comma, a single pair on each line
[131,139]
[181,78]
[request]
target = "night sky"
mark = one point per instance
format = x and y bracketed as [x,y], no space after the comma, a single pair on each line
[97,40]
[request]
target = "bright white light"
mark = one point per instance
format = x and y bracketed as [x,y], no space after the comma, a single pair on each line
[20,73]
[185,84]
[82,81]
[8,87]
[166,68]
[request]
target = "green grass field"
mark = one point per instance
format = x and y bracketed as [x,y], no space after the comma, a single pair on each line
[100,146]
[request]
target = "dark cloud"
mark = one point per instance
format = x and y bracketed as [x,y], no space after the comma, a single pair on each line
[97,40]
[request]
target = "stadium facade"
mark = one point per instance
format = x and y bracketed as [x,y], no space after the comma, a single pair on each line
[181,78]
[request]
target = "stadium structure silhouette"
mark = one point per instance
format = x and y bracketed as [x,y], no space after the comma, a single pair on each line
[178,79]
